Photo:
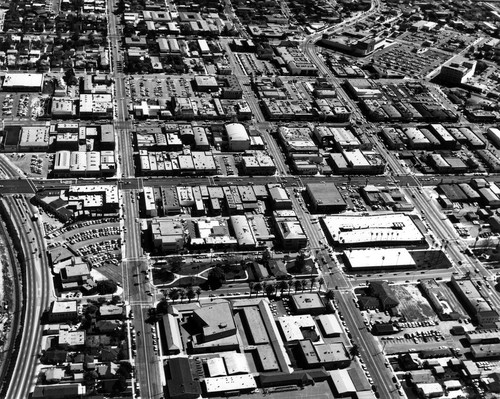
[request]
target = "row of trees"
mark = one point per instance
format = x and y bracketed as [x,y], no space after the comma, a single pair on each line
[271,289]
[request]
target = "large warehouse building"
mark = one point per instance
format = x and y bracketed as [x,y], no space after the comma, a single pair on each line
[237,137]
[396,229]
[23,82]
[325,197]
[378,259]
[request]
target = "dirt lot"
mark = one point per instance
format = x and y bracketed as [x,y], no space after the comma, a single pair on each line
[413,306]
[32,164]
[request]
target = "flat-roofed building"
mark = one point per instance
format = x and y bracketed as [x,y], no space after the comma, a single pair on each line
[279,197]
[329,356]
[378,259]
[396,229]
[230,384]
[168,235]
[267,358]
[430,390]
[260,164]
[149,202]
[482,337]
[34,138]
[292,327]
[308,303]
[63,311]
[485,351]
[181,383]
[23,82]
[325,197]
[289,230]
[242,231]
[474,302]
[215,321]
[255,326]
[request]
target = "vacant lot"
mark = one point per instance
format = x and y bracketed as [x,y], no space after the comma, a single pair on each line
[413,306]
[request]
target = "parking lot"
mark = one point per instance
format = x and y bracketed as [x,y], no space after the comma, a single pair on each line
[142,88]
[22,105]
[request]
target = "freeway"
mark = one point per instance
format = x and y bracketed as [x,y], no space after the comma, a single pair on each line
[38,292]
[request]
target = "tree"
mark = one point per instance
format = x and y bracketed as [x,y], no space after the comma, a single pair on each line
[162,307]
[330,295]
[290,284]
[300,262]
[216,277]
[174,294]
[198,292]
[321,281]
[105,287]
[251,285]
[176,264]
[257,288]
[282,285]
[182,294]
[354,351]
[304,283]
[298,285]
[313,280]
[270,289]
[190,293]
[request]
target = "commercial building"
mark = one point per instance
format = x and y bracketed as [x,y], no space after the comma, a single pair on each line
[485,351]
[430,390]
[342,382]
[22,82]
[93,200]
[378,259]
[457,72]
[325,197]
[329,356]
[170,335]
[395,229]
[297,139]
[34,138]
[294,327]
[229,385]
[308,303]
[434,293]
[330,325]
[242,232]
[237,137]
[181,383]
[289,231]
[167,235]
[63,311]
[258,165]
[215,321]
[63,107]
[477,306]
[60,391]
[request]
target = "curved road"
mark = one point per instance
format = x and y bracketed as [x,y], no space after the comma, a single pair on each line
[38,293]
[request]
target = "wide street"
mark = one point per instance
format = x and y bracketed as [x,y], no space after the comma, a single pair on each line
[38,293]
